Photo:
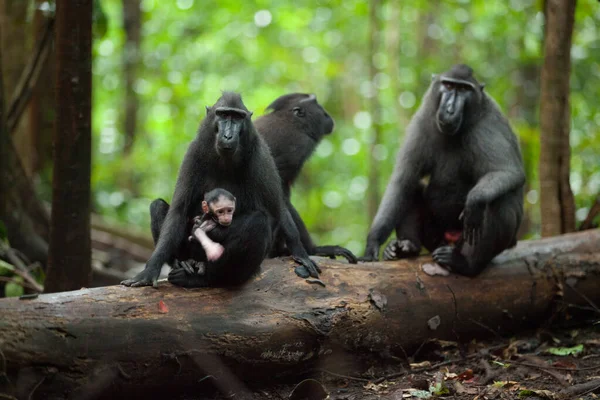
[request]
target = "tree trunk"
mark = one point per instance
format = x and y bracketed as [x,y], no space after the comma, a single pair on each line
[375,109]
[132,24]
[21,212]
[16,45]
[557,203]
[120,341]
[42,107]
[69,261]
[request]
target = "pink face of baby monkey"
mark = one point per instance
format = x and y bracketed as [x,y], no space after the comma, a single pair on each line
[222,210]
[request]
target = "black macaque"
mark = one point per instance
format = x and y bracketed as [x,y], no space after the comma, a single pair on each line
[292,129]
[227,153]
[218,207]
[460,170]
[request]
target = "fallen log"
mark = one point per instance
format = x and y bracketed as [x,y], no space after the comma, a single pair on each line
[114,341]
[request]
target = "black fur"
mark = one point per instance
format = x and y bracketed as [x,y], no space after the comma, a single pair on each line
[228,153]
[292,129]
[461,142]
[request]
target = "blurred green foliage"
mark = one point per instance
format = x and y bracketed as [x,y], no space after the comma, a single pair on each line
[194,49]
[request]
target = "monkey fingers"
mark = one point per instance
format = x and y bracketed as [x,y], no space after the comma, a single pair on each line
[397,249]
[145,278]
[371,253]
[444,255]
[306,268]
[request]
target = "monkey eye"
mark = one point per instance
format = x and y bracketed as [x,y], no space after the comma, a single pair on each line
[449,85]
[298,112]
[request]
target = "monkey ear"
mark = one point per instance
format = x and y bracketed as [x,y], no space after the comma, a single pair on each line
[204,207]
[250,113]
[433,77]
[207,109]
[481,86]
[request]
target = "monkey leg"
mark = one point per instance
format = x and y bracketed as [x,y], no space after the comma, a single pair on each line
[246,242]
[158,212]
[409,232]
[408,239]
[499,228]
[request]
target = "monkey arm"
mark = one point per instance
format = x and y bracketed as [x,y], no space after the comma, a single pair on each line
[412,163]
[495,184]
[292,239]
[173,231]
[213,250]
[390,212]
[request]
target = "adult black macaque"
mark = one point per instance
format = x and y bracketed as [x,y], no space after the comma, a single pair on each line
[227,153]
[459,140]
[292,129]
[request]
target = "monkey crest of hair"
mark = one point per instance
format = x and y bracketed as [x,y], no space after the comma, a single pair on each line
[214,195]
[472,206]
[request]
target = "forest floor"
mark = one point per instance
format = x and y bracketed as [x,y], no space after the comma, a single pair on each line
[545,364]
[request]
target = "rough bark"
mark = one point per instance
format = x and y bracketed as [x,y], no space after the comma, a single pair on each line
[557,203]
[119,341]
[69,260]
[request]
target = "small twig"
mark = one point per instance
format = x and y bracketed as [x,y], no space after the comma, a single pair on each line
[484,326]
[7,396]
[29,78]
[590,302]
[526,364]
[490,374]
[351,378]
[20,268]
[124,374]
[594,211]
[581,389]
[438,365]
[35,388]
[3,362]
[16,282]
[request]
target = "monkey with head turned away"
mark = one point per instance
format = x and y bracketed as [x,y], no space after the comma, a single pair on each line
[218,208]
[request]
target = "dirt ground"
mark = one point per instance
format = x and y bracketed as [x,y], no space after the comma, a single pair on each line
[545,364]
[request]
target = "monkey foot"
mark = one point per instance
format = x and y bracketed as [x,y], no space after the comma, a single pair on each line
[449,256]
[398,249]
[190,267]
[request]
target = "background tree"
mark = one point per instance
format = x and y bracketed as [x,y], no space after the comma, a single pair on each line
[557,202]
[70,247]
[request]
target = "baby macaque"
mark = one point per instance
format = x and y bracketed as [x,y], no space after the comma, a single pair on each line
[218,208]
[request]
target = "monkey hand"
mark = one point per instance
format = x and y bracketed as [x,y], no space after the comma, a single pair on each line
[213,251]
[371,253]
[306,268]
[148,277]
[472,217]
[398,249]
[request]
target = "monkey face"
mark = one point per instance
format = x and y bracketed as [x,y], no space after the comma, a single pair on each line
[230,123]
[454,95]
[223,210]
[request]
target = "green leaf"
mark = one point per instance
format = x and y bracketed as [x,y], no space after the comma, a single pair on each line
[6,268]
[566,351]
[12,289]
[421,394]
